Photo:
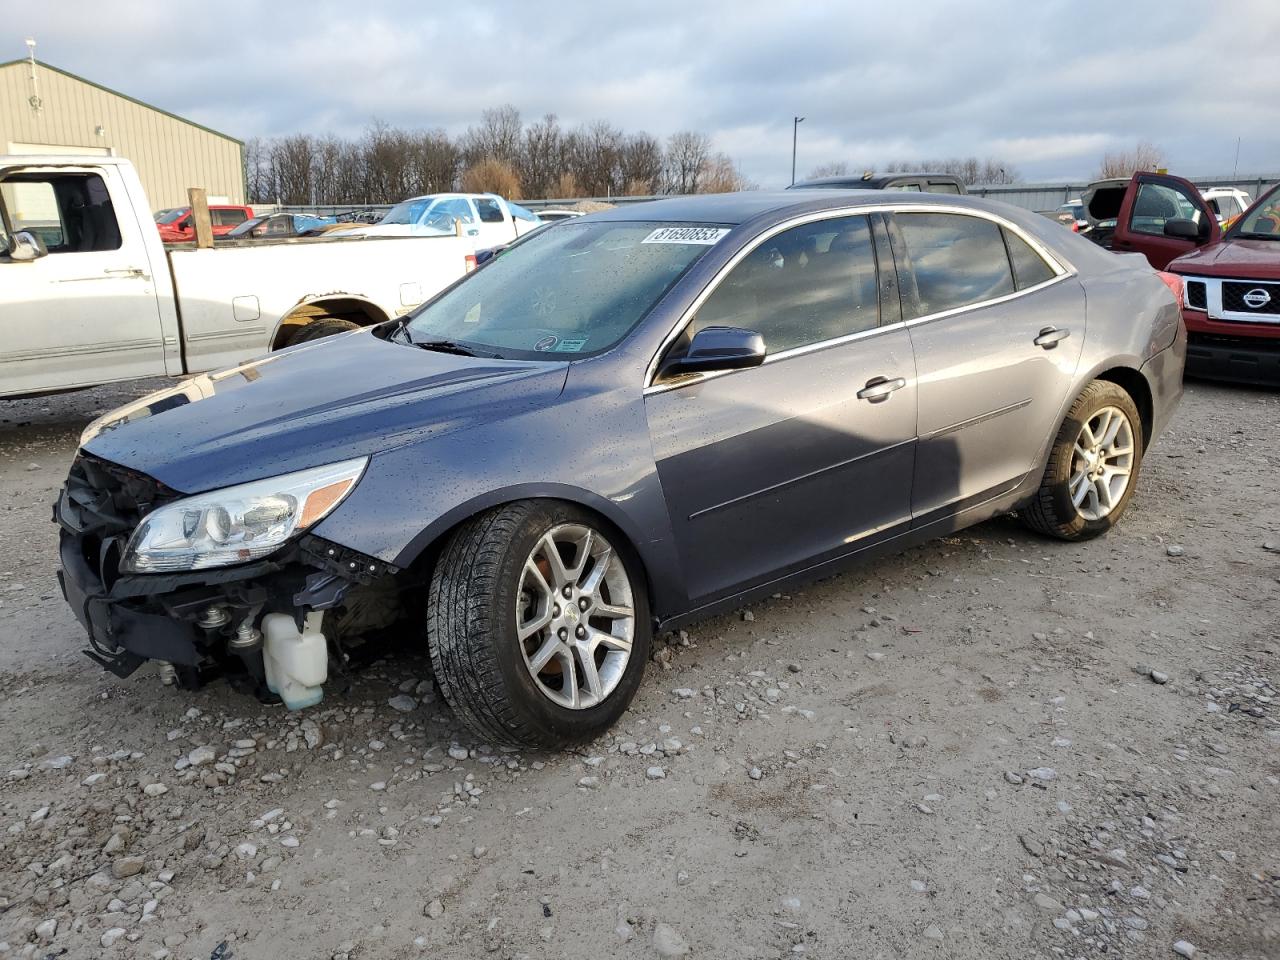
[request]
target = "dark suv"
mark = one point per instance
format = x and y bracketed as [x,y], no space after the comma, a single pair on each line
[910,182]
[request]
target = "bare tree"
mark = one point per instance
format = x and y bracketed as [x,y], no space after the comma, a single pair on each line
[542,159]
[837,168]
[566,187]
[1144,155]
[719,174]
[640,165]
[291,166]
[687,153]
[258,184]
[433,162]
[498,135]
[492,176]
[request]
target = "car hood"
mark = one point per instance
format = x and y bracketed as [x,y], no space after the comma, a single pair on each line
[342,397]
[1246,259]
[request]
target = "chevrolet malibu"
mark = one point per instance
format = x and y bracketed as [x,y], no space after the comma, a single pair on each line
[624,423]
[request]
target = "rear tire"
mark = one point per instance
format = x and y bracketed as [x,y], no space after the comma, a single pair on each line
[323,327]
[1093,466]
[511,631]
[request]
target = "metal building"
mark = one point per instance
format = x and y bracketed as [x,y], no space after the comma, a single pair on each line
[47,110]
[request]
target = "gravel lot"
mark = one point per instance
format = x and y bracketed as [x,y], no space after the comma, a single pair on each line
[992,746]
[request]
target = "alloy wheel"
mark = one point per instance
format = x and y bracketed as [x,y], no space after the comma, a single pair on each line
[575,616]
[1102,463]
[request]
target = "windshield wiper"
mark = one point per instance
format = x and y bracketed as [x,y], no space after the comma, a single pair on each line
[453,346]
[1247,235]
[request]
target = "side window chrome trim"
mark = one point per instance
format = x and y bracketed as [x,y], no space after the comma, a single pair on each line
[1061,269]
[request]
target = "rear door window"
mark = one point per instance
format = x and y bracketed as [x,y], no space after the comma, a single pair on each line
[809,284]
[957,260]
[1029,268]
[490,210]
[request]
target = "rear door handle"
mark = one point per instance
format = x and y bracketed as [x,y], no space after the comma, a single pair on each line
[126,272]
[1050,337]
[878,389]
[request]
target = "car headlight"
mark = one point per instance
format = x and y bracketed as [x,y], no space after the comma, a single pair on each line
[237,524]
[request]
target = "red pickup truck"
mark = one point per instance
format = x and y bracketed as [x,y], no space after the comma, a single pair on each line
[175,224]
[1231,280]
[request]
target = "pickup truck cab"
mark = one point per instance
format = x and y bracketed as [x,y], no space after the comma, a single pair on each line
[1157,215]
[485,217]
[1232,301]
[175,224]
[1231,280]
[90,295]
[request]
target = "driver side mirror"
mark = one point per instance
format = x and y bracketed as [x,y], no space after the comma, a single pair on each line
[25,246]
[717,348]
[1183,229]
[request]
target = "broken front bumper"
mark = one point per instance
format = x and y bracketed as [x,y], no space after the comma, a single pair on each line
[189,620]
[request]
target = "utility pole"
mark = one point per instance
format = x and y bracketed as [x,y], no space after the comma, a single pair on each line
[34,99]
[795,127]
[1236,169]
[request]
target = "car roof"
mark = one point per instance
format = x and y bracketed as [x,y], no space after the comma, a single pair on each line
[738,208]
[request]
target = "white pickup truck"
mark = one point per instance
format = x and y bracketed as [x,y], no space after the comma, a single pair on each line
[89,294]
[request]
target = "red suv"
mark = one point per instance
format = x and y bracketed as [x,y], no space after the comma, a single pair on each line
[175,223]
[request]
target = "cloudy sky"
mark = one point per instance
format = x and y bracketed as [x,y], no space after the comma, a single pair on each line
[1048,86]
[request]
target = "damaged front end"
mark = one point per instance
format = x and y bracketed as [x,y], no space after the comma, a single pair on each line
[270,622]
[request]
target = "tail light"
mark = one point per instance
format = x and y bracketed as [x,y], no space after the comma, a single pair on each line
[470,262]
[1174,283]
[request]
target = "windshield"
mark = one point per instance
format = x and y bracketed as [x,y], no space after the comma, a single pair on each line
[407,212]
[243,229]
[572,291]
[168,216]
[1263,220]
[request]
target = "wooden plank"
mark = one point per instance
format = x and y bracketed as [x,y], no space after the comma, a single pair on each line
[198,197]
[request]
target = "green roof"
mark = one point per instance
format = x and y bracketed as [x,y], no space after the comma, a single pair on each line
[125,96]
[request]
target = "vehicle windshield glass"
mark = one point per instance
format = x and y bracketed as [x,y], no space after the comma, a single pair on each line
[407,212]
[168,216]
[243,229]
[568,292]
[1263,221]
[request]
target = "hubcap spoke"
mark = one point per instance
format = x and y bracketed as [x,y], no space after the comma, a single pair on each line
[574,575]
[612,611]
[591,585]
[570,675]
[590,675]
[559,575]
[610,642]
[532,573]
[530,627]
[550,647]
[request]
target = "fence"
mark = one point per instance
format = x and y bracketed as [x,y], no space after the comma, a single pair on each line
[1050,196]
[1042,197]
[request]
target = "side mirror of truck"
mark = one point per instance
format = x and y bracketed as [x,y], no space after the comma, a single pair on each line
[25,246]
[1182,229]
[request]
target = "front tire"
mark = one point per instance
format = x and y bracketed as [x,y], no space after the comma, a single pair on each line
[1093,466]
[320,328]
[538,624]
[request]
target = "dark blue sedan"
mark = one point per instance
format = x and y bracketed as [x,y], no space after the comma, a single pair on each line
[631,420]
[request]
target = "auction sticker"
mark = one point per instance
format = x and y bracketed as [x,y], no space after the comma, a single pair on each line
[703,235]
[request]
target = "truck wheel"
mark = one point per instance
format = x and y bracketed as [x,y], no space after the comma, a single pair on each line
[1093,467]
[323,327]
[538,624]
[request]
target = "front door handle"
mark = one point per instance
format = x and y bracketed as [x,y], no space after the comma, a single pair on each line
[1050,337]
[126,272]
[878,389]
